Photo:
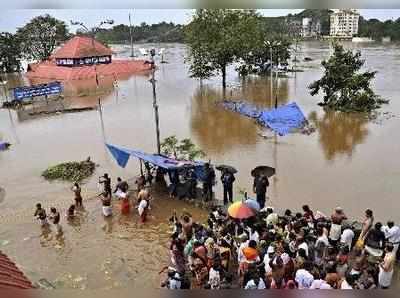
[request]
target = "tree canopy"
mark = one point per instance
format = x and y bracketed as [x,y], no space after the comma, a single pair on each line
[220,37]
[344,86]
[40,36]
[183,149]
[10,53]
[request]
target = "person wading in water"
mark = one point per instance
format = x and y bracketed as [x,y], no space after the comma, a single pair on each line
[78,198]
[55,218]
[107,184]
[121,186]
[40,214]
[106,202]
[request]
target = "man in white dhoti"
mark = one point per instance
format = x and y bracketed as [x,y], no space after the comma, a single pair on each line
[386,267]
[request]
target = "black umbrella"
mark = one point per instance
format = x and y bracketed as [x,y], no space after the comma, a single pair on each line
[230,169]
[263,170]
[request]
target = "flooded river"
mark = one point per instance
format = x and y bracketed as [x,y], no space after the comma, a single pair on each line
[349,161]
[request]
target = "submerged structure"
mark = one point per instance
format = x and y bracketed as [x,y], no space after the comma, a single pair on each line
[11,278]
[83,58]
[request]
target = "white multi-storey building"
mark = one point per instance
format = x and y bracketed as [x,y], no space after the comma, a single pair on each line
[344,23]
[310,27]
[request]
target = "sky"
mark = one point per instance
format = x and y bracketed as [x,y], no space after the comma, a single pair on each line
[10,20]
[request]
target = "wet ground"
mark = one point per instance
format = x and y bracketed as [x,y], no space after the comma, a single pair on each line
[349,161]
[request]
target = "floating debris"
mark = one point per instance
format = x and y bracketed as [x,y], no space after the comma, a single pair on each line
[45,284]
[378,117]
[120,236]
[70,171]
[63,111]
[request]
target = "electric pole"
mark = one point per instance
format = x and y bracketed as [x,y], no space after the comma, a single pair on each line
[155,105]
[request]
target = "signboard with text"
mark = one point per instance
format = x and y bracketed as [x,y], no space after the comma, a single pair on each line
[52,88]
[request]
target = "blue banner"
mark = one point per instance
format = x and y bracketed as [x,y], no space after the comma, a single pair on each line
[37,90]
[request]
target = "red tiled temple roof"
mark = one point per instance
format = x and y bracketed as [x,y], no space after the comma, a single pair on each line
[81,47]
[10,276]
[49,70]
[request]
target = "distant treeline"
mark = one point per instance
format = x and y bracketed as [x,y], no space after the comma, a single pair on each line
[286,25]
[376,29]
[161,32]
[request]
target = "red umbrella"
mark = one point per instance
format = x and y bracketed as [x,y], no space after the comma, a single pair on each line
[240,210]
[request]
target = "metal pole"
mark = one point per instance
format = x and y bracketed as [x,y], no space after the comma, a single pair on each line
[153,82]
[295,56]
[102,121]
[275,156]
[270,50]
[277,87]
[130,32]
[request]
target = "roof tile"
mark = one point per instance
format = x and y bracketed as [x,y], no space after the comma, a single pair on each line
[80,47]
[10,276]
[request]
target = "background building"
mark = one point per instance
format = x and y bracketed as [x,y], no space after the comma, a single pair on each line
[310,27]
[344,23]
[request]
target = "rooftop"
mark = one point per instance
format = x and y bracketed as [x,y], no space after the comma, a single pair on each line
[10,276]
[81,47]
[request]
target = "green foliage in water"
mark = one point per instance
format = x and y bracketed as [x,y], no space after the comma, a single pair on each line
[345,87]
[70,171]
[219,37]
[184,149]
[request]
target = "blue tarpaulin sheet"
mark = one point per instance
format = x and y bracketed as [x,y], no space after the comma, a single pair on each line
[122,155]
[282,120]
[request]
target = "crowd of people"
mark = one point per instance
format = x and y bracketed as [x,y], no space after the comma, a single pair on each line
[289,250]
[303,250]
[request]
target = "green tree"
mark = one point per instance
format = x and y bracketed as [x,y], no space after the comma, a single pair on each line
[199,66]
[262,53]
[10,53]
[219,37]
[184,149]
[40,36]
[344,86]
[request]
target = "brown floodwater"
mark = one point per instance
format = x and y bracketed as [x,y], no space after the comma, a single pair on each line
[349,161]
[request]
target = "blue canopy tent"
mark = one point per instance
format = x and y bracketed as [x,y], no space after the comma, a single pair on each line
[122,156]
[282,120]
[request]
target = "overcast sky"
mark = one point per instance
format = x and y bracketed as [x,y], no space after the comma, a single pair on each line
[12,19]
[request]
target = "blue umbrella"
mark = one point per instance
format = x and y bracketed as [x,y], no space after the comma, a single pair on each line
[253,204]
